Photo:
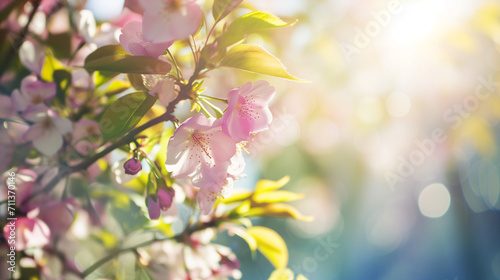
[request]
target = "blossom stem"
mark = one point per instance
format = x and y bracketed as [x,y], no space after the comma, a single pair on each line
[180,237]
[20,38]
[184,93]
[213,98]
[210,32]
[88,162]
[177,69]
[109,257]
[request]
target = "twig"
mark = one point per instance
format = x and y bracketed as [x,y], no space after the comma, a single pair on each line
[20,39]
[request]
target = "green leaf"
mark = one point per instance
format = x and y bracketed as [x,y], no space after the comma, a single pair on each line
[62,79]
[124,114]
[222,8]
[117,86]
[102,77]
[115,59]
[282,274]
[138,82]
[50,65]
[252,22]
[143,274]
[128,214]
[256,59]
[278,210]
[271,245]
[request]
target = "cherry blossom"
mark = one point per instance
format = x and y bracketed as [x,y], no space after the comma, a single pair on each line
[170,20]
[207,197]
[32,56]
[163,88]
[46,134]
[30,233]
[248,110]
[85,135]
[6,108]
[133,42]
[200,151]
[32,92]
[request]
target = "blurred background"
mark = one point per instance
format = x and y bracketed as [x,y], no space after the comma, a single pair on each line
[394,143]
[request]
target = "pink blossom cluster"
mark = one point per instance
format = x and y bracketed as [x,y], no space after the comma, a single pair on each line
[206,150]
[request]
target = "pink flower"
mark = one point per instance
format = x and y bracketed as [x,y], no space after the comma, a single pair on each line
[6,108]
[248,110]
[207,196]
[46,134]
[133,41]
[132,166]
[28,233]
[57,215]
[164,89]
[32,56]
[33,92]
[200,151]
[170,20]
[85,136]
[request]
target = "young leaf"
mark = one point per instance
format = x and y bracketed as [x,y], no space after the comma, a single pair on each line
[268,185]
[256,59]
[222,8]
[249,23]
[276,196]
[271,245]
[278,210]
[282,274]
[237,196]
[124,114]
[249,239]
[115,59]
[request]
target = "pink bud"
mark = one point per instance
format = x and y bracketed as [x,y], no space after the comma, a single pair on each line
[153,204]
[166,197]
[132,166]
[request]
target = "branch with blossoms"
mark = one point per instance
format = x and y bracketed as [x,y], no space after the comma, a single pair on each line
[110,138]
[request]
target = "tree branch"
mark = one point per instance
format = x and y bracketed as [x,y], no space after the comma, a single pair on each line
[88,162]
[17,43]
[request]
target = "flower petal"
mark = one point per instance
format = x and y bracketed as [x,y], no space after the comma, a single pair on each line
[63,125]
[206,200]
[49,143]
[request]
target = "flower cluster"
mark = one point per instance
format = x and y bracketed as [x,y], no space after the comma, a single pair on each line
[94,130]
[206,150]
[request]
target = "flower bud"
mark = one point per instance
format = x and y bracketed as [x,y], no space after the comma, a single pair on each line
[132,166]
[166,197]
[153,203]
